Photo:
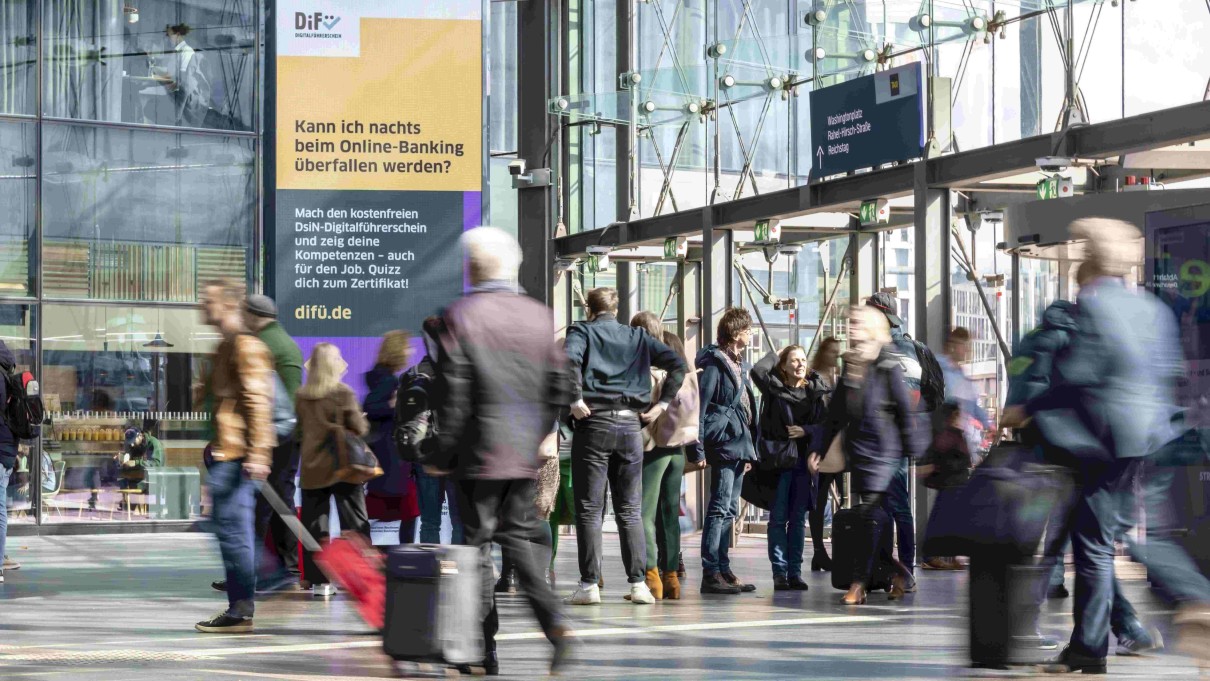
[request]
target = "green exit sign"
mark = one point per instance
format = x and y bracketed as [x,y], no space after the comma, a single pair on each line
[1048,188]
[874,211]
[767,231]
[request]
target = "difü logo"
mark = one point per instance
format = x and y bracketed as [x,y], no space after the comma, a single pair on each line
[315,22]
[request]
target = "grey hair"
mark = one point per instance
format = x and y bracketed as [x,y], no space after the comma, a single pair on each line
[492,254]
[1112,246]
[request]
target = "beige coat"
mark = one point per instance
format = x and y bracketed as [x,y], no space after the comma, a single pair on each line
[678,426]
[318,419]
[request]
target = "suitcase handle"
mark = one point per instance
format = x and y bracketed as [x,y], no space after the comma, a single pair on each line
[287,515]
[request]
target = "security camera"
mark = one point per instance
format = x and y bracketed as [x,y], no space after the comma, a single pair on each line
[566,264]
[1054,164]
[516,168]
[992,217]
[599,250]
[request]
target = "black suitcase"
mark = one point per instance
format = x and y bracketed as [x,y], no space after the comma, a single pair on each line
[848,534]
[1004,608]
[433,605]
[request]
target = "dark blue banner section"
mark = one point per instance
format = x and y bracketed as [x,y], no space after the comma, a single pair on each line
[360,263]
[868,121]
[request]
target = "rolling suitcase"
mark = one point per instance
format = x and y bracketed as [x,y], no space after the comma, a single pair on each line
[847,534]
[434,601]
[1004,609]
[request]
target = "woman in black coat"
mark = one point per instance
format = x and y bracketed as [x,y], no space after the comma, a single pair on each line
[391,496]
[791,404]
[872,410]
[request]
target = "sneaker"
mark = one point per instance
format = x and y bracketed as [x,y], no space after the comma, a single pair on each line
[10,564]
[1139,641]
[730,578]
[220,585]
[586,596]
[323,590]
[1057,591]
[714,584]
[223,623]
[640,594]
[1,576]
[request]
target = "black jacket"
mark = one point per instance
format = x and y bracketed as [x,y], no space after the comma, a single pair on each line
[382,385]
[719,390]
[611,365]
[806,406]
[8,442]
[501,382]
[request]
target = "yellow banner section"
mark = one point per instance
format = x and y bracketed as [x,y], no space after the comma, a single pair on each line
[405,115]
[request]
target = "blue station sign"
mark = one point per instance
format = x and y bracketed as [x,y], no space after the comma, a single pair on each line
[868,121]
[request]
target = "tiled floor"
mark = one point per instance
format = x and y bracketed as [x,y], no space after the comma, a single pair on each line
[122,607]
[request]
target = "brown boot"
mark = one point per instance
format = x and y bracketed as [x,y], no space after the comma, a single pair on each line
[672,586]
[897,588]
[654,583]
[855,595]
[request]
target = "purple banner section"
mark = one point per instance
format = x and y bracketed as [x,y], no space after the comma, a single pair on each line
[361,353]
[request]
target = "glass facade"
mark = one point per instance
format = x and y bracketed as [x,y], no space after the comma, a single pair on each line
[130,147]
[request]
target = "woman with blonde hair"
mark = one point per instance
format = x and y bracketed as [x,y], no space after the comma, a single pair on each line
[327,409]
[872,410]
[391,496]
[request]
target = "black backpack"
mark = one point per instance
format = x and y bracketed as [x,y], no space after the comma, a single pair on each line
[23,409]
[415,422]
[932,380]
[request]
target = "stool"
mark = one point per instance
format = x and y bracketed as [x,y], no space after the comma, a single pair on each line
[126,494]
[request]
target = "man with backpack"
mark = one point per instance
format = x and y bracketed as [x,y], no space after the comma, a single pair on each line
[8,446]
[22,405]
[926,384]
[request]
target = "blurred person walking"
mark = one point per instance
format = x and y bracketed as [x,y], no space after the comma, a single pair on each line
[327,411]
[825,372]
[8,452]
[664,442]
[392,495]
[1111,406]
[873,411]
[502,381]
[926,387]
[727,436]
[238,393]
[611,382]
[791,408]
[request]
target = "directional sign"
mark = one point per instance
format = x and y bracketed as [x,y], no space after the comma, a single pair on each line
[868,121]
[875,211]
[767,231]
[1056,187]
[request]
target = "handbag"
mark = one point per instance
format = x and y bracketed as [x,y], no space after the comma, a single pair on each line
[835,461]
[759,488]
[355,462]
[778,455]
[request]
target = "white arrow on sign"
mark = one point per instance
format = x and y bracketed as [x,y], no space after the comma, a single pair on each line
[819,155]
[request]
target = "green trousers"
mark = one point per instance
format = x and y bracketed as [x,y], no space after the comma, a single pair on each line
[662,473]
[564,512]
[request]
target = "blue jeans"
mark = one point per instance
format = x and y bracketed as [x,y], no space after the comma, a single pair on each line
[431,492]
[1169,566]
[233,497]
[5,473]
[787,533]
[726,483]
[898,503]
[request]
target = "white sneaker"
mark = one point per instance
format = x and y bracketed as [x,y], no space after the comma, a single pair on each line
[323,590]
[640,594]
[2,581]
[586,596]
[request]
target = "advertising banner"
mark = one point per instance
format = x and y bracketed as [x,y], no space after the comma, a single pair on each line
[378,165]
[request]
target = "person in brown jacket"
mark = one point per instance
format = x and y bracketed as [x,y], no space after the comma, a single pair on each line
[327,409]
[238,393]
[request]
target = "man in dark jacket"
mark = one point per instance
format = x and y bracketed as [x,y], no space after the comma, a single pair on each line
[611,392]
[727,427]
[501,381]
[8,444]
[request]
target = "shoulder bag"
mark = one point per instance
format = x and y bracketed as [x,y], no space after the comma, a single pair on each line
[778,454]
[355,462]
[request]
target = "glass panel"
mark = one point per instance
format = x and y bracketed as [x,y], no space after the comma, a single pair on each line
[185,63]
[16,332]
[1039,288]
[656,292]
[18,263]
[18,56]
[1166,53]
[118,382]
[502,47]
[144,216]
[898,261]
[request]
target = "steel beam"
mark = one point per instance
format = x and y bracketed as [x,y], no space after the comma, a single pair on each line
[537,73]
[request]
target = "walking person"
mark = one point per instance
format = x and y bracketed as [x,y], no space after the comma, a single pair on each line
[278,568]
[238,393]
[873,412]
[8,453]
[327,410]
[791,416]
[726,428]
[665,440]
[825,369]
[503,382]
[611,391]
[392,495]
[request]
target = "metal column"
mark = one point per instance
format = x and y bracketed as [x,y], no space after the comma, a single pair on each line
[624,134]
[537,73]
[627,280]
[863,272]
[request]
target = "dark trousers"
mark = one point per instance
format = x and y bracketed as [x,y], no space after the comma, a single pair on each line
[816,516]
[233,497]
[432,492]
[608,449]
[316,505]
[283,554]
[899,504]
[502,511]
[871,507]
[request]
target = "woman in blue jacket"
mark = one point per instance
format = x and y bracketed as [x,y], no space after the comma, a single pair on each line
[391,496]
[791,405]
[872,410]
